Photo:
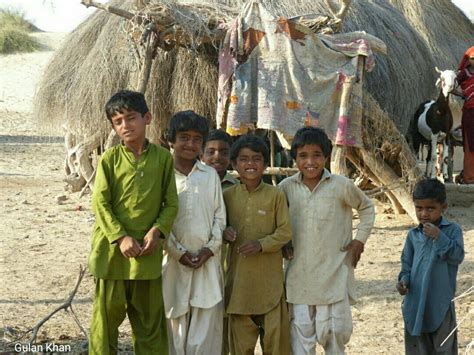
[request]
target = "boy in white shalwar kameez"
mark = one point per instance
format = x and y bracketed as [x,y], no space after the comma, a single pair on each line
[320,273]
[192,274]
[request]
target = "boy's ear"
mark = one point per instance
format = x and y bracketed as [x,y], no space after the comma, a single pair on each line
[148,117]
[444,207]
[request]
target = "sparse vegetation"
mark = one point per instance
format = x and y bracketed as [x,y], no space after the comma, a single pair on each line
[15,33]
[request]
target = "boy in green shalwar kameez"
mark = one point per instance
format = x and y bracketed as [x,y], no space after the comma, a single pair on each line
[135,203]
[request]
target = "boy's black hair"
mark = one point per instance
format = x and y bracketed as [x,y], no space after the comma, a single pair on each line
[311,135]
[252,142]
[125,100]
[187,121]
[219,135]
[430,189]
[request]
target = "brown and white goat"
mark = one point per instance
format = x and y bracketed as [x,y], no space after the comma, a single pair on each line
[432,124]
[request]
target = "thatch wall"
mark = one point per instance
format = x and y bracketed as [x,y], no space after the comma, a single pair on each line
[95,61]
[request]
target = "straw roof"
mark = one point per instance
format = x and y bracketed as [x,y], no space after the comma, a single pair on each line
[96,60]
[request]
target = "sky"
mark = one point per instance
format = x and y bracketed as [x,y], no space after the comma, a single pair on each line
[65,15]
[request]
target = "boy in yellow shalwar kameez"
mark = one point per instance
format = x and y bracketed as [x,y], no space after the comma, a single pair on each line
[259,227]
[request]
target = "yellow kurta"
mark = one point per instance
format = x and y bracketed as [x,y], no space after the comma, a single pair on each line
[254,284]
[129,198]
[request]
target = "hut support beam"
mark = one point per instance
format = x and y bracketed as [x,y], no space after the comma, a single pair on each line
[383,175]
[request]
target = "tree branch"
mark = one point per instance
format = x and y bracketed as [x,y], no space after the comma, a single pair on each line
[66,305]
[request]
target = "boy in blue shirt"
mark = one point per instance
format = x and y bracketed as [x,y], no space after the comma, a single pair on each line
[430,258]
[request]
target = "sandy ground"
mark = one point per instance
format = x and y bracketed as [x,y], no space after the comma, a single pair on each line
[45,241]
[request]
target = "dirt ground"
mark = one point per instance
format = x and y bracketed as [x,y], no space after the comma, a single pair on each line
[46,239]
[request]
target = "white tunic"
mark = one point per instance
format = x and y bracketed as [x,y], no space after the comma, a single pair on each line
[200,222]
[320,273]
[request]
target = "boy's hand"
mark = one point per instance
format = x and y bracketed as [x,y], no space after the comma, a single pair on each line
[203,256]
[129,247]
[250,248]
[402,288]
[150,242]
[229,234]
[287,251]
[431,231]
[187,259]
[356,248]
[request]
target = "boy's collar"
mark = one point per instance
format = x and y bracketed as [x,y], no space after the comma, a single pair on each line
[146,145]
[326,175]
[259,187]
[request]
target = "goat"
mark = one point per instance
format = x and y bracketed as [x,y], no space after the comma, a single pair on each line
[432,124]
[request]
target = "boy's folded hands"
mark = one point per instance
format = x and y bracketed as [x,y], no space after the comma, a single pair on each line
[129,247]
[250,247]
[196,261]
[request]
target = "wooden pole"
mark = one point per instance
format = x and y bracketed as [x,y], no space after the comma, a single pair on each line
[272,156]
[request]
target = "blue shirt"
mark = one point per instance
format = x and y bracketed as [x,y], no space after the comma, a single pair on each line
[429,268]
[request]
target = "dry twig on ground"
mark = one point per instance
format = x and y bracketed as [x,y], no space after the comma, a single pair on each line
[67,306]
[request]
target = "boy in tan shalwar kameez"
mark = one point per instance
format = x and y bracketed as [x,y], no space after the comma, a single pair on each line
[259,227]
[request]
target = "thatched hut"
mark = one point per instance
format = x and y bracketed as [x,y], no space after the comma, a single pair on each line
[97,59]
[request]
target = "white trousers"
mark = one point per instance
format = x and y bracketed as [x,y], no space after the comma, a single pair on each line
[329,325]
[197,332]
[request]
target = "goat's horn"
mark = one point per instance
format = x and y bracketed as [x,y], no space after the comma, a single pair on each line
[437,70]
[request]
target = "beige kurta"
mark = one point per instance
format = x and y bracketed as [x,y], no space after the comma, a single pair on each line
[199,224]
[321,220]
[254,284]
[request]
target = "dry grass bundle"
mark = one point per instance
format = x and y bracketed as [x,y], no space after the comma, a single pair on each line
[97,59]
[383,139]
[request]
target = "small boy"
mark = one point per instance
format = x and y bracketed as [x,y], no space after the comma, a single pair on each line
[217,154]
[430,258]
[259,227]
[192,274]
[135,203]
[323,254]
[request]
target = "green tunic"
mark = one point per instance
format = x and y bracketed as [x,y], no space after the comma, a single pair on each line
[130,197]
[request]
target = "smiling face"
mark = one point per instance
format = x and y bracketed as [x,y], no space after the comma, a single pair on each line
[188,145]
[250,165]
[310,161]
[131,126]
[429,210]
[217,155]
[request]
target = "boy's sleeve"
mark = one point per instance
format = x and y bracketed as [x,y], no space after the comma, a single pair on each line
[174,248]
[451,247]
[282,235]
[218,226]
[358,200]
[407,261]
[102,202]
[170,201]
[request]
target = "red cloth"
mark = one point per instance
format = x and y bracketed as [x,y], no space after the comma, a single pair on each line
[464,60]
[468,143]
[466,79]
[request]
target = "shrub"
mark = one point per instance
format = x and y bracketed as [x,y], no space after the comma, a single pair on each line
[13,40]
[14,33]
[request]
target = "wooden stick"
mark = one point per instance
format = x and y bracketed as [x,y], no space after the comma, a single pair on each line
[66,305]
[272,156]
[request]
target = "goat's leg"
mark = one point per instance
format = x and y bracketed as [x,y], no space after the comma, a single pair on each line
[431,163]
[445,160]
